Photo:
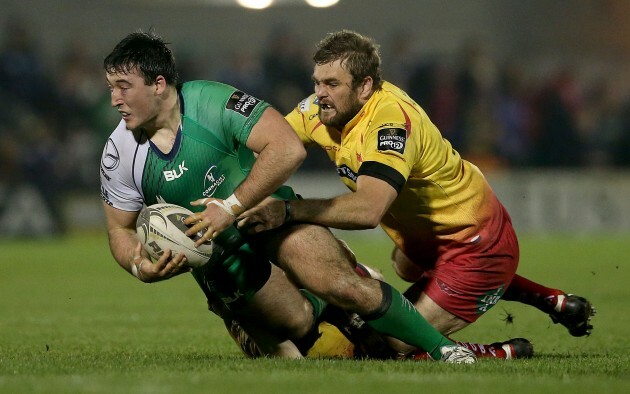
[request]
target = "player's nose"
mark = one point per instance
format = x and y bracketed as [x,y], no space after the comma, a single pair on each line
[320,91]
[116,100]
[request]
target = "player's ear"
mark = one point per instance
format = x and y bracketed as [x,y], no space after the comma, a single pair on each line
[365,89]
[160,84]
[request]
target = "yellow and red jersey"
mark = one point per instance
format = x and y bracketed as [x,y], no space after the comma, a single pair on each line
[441,197]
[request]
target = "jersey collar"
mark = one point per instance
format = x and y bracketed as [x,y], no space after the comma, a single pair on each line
[178,137]
[170,155]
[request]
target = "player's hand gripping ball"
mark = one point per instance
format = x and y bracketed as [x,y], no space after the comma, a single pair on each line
[161,226]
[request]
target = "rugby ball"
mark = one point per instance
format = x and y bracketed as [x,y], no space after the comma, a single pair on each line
[161,226]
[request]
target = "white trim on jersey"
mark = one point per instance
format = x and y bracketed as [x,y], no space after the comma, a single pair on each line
[122,167]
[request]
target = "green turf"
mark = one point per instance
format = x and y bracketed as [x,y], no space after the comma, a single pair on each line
[71,321]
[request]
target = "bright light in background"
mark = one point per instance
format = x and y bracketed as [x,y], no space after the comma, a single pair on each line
[321,3]
[252,4]
[255,4]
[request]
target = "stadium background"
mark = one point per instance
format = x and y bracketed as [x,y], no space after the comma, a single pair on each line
[553,142]
[537,93]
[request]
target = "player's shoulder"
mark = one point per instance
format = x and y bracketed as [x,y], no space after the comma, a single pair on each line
[309,105]
[201,95]
[391,103]
[202,88]
[119,137]
[123,136]
[305,111]
[391,95]
[121,144]
[122,149]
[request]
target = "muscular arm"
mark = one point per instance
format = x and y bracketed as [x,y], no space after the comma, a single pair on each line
[360,210]
[127,250]
[121,232]
[280,152]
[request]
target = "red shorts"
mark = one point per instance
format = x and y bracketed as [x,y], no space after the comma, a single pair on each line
[469,278]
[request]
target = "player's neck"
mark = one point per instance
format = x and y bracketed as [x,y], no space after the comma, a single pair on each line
[169,118]
[167,123]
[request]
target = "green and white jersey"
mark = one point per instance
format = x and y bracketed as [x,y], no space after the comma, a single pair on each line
[208,159]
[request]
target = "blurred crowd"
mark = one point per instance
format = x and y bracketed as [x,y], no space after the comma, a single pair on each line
[54,119]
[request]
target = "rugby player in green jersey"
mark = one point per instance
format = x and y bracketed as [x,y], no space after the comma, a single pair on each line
[218,151]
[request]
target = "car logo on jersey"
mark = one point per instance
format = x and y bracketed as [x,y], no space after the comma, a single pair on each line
[242,103]
[171,175]
[111,158]
[393,139]
[212,181]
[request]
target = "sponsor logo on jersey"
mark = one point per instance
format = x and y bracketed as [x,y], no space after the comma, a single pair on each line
[212,181]
[214,287]
[304,105]
[111,157]
[237,295]
[346,172]
[171,175]
[445,288]
[105,175]
[105,196]
[393,139]
[242,103]
[391,125]
[489,299]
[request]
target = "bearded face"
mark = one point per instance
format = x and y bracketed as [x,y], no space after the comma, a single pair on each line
[338,101]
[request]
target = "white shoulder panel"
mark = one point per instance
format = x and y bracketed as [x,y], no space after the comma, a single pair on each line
[122,166]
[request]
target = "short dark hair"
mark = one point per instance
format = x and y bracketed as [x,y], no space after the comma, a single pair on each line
[146,53]
[358,54]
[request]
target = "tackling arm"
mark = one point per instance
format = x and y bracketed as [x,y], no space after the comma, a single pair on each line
[360,210]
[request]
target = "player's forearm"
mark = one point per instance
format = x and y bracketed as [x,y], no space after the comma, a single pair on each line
[342,212]
[272,168]
[122,243]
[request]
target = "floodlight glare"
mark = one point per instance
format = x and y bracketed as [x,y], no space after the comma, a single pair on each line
[321,3]
[255,4]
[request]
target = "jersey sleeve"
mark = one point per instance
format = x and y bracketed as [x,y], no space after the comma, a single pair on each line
[121,168]
[389,148]
[223,109]
[301,119]
[241,112]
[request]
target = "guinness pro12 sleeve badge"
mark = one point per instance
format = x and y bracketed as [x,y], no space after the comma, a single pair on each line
[242,103]
[392,139]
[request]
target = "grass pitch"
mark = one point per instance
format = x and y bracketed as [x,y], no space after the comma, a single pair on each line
[71,321]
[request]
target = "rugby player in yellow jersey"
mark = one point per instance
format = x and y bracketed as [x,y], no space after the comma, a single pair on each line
[452,237]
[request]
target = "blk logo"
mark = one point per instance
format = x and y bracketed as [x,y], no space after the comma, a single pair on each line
[171,175]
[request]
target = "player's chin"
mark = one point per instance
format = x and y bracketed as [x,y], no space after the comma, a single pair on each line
[327,118]
[130,123]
